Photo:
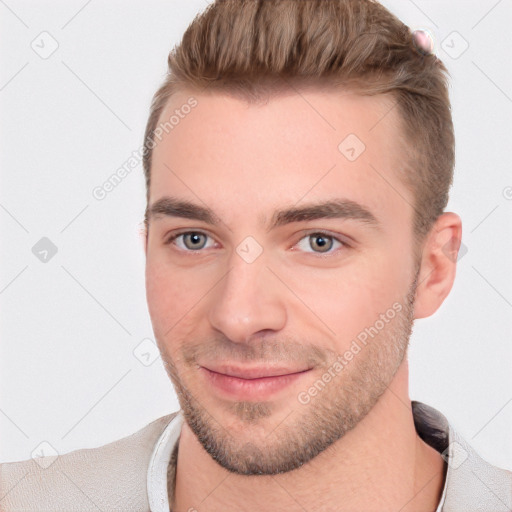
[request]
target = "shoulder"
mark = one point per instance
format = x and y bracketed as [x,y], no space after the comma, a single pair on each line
[474,482]
[110,477]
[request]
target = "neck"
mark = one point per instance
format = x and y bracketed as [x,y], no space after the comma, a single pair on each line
[380,465]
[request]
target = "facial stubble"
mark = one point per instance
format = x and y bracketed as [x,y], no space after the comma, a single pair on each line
[308,429]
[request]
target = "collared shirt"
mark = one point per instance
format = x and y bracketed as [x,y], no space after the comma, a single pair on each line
[471,483]
[132,473]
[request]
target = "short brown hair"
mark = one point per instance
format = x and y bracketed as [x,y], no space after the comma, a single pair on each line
[246,47]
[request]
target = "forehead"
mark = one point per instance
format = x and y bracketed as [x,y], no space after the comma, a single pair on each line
[299,146]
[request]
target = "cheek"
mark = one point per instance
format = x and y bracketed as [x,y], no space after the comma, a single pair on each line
[165,294]
[340,303]
[346,304]
[174,296]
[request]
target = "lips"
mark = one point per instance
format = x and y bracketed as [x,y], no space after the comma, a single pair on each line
[254,372]
[249,383]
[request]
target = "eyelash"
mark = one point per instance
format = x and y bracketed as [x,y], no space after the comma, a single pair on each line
[344,245]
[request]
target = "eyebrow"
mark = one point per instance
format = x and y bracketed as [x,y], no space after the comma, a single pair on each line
[333,209]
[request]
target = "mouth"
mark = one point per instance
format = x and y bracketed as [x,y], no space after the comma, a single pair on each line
[251,383]
[255,372]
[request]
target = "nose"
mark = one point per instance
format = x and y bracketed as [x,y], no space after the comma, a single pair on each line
[247,302]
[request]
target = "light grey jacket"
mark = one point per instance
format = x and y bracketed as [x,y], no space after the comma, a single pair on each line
[131,474]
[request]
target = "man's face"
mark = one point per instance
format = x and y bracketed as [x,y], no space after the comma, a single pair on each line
[280,332]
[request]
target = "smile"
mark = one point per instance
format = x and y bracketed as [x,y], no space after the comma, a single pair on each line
[250,383]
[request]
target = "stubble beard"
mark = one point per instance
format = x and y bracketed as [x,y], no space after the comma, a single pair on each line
[310,428]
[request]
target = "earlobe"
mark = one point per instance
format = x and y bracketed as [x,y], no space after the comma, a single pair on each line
[438,264]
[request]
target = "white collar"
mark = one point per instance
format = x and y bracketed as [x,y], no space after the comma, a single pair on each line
[157,471]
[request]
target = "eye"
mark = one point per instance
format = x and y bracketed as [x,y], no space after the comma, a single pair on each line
[190,240]
[320,242]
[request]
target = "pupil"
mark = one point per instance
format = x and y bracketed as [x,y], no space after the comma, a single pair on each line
[321,241]
[195,238]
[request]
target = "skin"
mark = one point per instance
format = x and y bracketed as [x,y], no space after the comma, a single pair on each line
[293,307]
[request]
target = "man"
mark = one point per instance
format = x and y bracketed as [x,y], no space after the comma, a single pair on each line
[298,160]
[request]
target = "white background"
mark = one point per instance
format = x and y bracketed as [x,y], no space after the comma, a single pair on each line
[69,326]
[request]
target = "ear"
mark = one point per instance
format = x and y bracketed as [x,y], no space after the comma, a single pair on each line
[438,264]
[143,236]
